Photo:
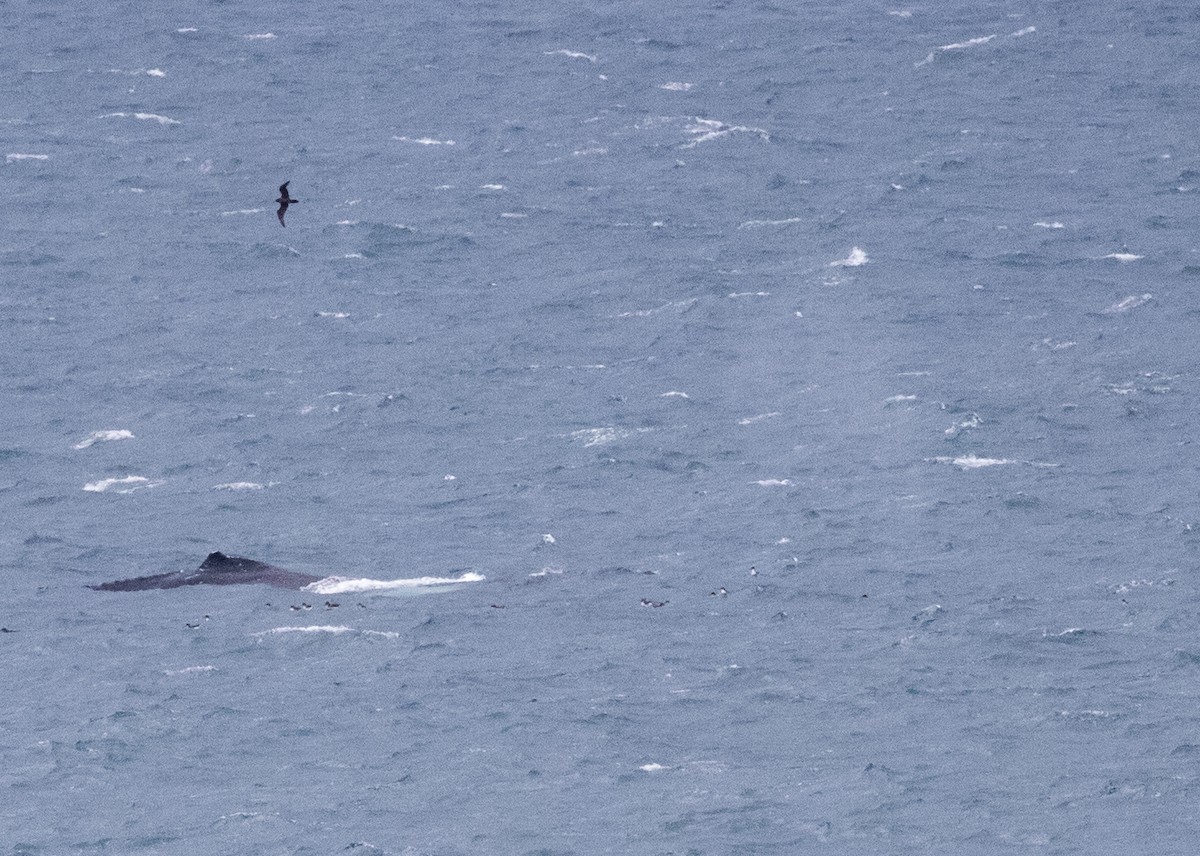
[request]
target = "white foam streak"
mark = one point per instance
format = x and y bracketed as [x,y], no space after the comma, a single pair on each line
[643,313]
[332,629]
[970,43]
[571,54]
[187,670]
[149,72]
[424,141]
[1131,302]
[145,117]
[343,585]
[758,224]
[957,46]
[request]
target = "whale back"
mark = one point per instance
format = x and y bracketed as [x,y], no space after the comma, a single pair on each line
[217,569]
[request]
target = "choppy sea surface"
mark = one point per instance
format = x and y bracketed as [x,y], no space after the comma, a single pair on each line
[803,394]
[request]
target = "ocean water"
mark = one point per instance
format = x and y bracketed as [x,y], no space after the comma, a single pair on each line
[812,385]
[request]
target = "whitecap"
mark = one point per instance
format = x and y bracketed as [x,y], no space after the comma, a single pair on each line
[958,427]
[598,436]
[674,393]
[774,482]
[973,461]
[711,129]
[189,670]
[652,768]
[104,437]
[239,486]
[676,86]
[21,156]
[130,483]
[258,36]
[546,572]
[1059,345]
[857,258]
[642,313]
[1124,257]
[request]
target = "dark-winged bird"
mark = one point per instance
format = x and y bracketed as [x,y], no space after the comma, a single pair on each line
[284,201]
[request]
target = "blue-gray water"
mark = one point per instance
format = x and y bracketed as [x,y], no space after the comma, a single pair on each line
[880,318]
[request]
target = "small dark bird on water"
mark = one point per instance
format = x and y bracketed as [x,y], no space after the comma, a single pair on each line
[284,201]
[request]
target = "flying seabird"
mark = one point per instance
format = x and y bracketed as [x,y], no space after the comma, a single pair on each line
[284,201]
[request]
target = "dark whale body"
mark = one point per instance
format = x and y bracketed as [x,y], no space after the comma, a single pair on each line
[217,570]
